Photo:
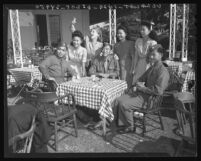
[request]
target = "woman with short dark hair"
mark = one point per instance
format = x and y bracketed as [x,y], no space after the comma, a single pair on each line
[124,49]
[77,53]
[142,46]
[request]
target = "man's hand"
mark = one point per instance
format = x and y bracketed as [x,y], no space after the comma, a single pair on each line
[140,84]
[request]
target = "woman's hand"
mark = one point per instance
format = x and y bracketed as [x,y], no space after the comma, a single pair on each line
[132,72]
[87,39]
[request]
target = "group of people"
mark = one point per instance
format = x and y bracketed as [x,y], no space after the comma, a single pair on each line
[85,56]
[134,62]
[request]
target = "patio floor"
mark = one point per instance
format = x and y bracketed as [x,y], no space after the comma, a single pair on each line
[155,140]
[89,141]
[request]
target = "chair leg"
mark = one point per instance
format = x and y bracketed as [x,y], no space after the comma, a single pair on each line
[17,95]
[133,122]
[143,126]
[55,137]
[75,124]
[161,121]
[179,149]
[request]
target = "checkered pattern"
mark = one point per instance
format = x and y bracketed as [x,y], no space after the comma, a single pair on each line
[25,74]
[190,75]
[95,95]
[176,66]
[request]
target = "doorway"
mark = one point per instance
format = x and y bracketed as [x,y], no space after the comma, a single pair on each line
[41,27]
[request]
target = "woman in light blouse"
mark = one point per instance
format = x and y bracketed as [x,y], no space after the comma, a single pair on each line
[93,43]
[77,53]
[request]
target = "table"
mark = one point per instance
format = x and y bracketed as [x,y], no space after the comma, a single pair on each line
[190,75]
[95,95]
[25,74]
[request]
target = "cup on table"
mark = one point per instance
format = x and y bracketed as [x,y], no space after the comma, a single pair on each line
[93,77]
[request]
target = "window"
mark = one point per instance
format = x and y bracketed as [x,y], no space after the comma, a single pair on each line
[55,34]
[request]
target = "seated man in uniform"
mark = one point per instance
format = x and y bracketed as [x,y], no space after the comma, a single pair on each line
[55,66]
[156,80]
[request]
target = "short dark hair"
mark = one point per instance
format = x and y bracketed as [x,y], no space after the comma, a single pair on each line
[78,33]
[152,34]
[147,24]
[125,29]
[107,44]
[158,48]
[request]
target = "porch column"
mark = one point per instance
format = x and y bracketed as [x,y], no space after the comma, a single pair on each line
[173,21]
[185,32]
[112,25]
[16,36]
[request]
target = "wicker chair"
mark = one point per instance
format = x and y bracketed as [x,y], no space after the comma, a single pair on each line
[22,143]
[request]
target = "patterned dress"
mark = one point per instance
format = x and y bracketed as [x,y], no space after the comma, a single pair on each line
[77,57]
[140,60]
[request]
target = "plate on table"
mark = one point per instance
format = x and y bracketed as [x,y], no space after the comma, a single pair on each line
[104,75]
[76,80]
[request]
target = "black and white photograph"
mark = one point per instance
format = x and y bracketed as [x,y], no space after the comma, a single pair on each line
[109,79]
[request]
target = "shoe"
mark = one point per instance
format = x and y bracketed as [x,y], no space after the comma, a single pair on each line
[125,130]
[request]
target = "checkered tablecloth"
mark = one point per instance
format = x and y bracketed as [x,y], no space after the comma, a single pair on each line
[176,66]
[25,74]
[190,75]
[95,95]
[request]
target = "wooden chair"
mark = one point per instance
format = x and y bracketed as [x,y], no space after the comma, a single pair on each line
[140,115]
[187,128]
[59,115]
[155,102]
[22,83]
[24,139]
[175,85]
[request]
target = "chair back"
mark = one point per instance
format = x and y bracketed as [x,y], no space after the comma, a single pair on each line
[175,82]
[188,128]
[43,97]
[18,77]
[154,101]
[26,138]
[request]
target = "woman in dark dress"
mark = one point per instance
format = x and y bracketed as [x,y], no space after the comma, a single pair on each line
[124,49]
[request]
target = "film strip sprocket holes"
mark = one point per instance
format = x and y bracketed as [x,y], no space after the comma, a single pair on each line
[100,6]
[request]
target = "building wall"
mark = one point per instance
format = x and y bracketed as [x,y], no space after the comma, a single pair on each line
[28,27]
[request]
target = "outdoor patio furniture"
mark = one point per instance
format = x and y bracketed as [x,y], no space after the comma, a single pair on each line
[59,115]
[175,85]
[22,143]
[186,100]
[140,115]
[24,77]
[98,94]
[190,76]
[155,102]
[187,127]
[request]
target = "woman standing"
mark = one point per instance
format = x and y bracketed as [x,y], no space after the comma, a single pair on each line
[142,47]
[93,43]
[77,54]
[124,49]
